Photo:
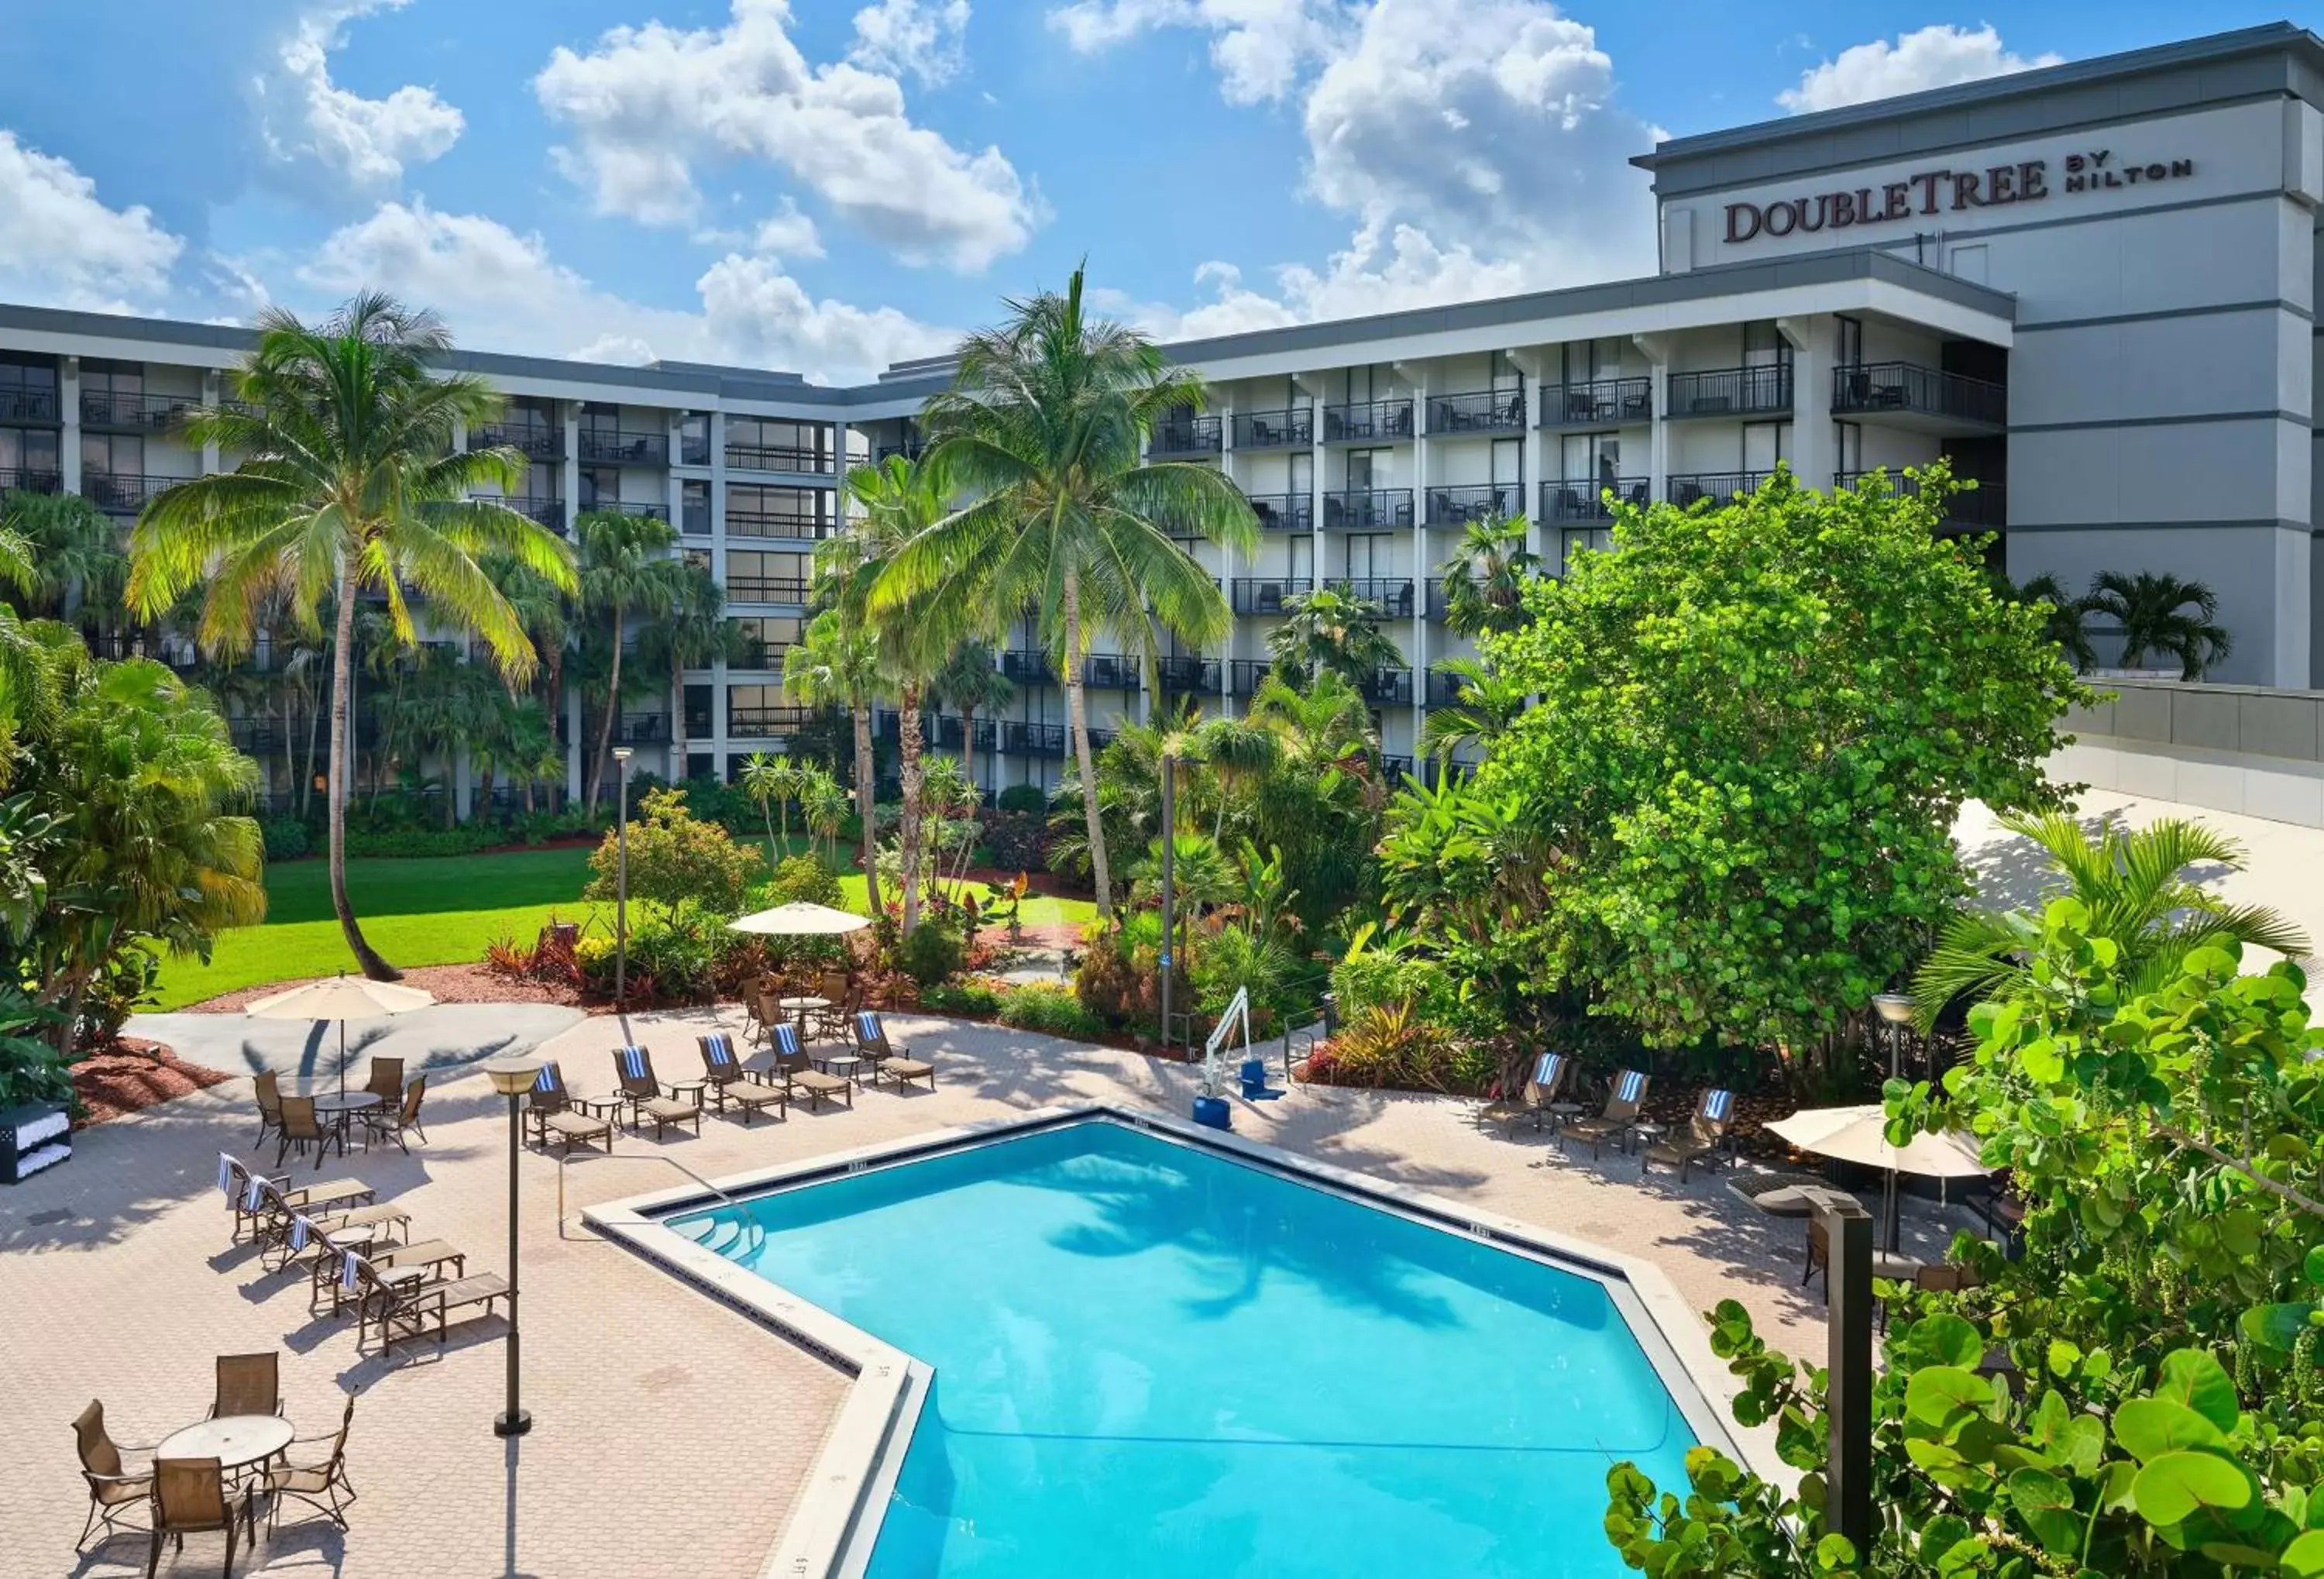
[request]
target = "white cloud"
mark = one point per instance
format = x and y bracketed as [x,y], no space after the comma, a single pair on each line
[788,234]
[649,103]
[1260,47]
[61,246]
[1937,56]
[367,141]
[502,291]
[927,40]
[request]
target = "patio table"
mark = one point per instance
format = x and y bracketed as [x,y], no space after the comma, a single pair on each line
[235,1440]
[340,1112]
[802,1007]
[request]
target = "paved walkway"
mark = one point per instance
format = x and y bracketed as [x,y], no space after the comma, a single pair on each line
[439,1036]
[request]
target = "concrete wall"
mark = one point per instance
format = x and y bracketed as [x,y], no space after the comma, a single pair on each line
[2232,748]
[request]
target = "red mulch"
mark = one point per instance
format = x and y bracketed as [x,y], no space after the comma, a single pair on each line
[450,984]
[138,1074]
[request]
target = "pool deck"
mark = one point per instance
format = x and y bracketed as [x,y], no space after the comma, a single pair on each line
[672,1435]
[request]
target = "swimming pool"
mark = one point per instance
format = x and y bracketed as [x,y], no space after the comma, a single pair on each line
[1153,1359]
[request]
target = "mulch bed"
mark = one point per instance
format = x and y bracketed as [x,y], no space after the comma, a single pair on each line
[136,1075]
[450,984]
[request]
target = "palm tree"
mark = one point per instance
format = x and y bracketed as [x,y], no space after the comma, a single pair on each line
[1238,753]
[2136,887]
[1330,630]
[834,665]
[74,553]
[970,682]
[1043,431]
[1485,579]
[349,484]
[1487,703]
[773,779]
[545,608]
[2154,608]
[626,569]
[823,802]
[692,632]
[2068,622]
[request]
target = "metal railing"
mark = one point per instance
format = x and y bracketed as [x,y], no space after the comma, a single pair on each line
[1468,502]
[1444,689]
[549,512]
[1602,402]
[536,442]
[1284,511]
[1984,508]
[1392,592]
[1365,421]
[1907,386]
[1185,436]
[1726,391]
[28,405]
[1110,671]
[1394,770]
[1388,688]
[1244,675]
[763,723]
[1487,410]
[105,408]
[1181,675]
[1686,488]
[779,457]
[121,491]
[31,479]
[643,729]
[784,589]
[1367,509]
[626,507]
[1265,594]
[911,450]
[1034,740]
[616,449]
[768,524]
[1292,428]
[758,656]
[567,1158]
[1584,498]
[1028,667]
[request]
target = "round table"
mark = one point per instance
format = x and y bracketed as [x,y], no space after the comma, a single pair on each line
[234,1440]
[843,1064]
[803,1007]
[340,1109]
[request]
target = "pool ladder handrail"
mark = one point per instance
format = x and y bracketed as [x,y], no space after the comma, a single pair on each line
[565,1158]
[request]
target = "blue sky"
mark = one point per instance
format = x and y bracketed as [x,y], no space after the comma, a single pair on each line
[830,186]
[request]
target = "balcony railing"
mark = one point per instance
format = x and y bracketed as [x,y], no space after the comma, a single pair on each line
[31,479]
[607,448]
[1469,502]
[1693,487]
[1110,671]
[1284,511]
[1392,592]
[1368,422]
[1984,508]
[628,507]
[1028,667]
[911,450]
[1444,689]
[1368,509]
[1906,386]
[1034,740]
[1387,688]
[1183,676]
[694,449]
[765,524]
[1603,402]
[536,442]
[1293,428]
[764,723]
[643,729]
[549,512]
[105,408]
[28,405]
[1726,391]
[255,736]
[1394,770]
[1584,498]
[1244,675]
[778,458]
[785,589]
[1185,436]
[758,656]
[1265,594]
[122,492]
[1488,410]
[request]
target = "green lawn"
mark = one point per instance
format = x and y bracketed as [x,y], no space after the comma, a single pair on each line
[431,911]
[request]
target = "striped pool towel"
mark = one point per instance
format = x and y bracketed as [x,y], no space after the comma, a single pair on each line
[350,1270]
[225,1175]
[1633,1083]
[786,1039]
[867,1026]
[633,1063]
[1718,1106]
[301,1229]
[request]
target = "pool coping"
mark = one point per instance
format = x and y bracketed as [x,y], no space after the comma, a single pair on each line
[840,1504]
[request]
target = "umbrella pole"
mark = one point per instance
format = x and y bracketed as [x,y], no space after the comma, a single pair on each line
[343,1058]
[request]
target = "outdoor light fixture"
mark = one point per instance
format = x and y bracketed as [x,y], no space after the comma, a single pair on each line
[512,1077]
[621,755]
[1896,1009]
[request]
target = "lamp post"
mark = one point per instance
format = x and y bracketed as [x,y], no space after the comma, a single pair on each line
[621,754]
[1897,1013]
[512,1077]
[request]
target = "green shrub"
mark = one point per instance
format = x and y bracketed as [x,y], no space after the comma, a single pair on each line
[1016,840]
[678,959]
[287,839]
[931,952]
[675,859]
[1231,960]
[1029,798]
[460,841]
[1051,1010]
[803,880]
[962,998]
[1395,1048]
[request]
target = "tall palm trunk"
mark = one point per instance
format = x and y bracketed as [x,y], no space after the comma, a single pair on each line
[863,803]
[341,684]
[907,730]
[613,711]
[556,720]
[1077,723]
[677,717]
[968,742]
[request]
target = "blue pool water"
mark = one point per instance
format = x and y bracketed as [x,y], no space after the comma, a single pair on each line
[1152,1360]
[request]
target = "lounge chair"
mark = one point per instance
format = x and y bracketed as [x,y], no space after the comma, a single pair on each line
[263,1203]
[189,1498]
[1622,1112]
[799,1075]
[388,1123]
[1545,1085]
[384,1301]
[279,1233]
[897,1063]
[248,1384]
[385,1080]
[732,1082]
[552,1110]
[1706,1136]
[323,1486]
[115,1490]
[649,1098]
[268,1089]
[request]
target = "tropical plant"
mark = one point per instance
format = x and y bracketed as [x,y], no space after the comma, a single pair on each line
[1044,431]
[1330,630]
[1485,577]
[675,859]
[970,683]
[773,780]
[1486,704]
[836,664]
[348,485]
[692,632]
[823,805]
[2136,886]
[2069,617]
[70,552]
[2161,614]
[626,569]
[544,607]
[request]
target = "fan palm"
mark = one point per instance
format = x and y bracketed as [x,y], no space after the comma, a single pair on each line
[1043,431]
[2161,613]
[73,552]
[2136,887]
[1485,577]
[1329,630]
[1486,703]
[626,569]
[971,683]
[544,607]
[836,665]
[349,484]
[692,632]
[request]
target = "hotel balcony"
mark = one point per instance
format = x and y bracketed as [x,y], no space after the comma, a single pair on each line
[1570,499]
[1692,488]
[643,729]
[143,413]
[1028,667]
[1036,740]
[602,449]
[549,512]
[1244,675]
[1386,421]
[1368,509]
[1470,502]
[31,479]
[535,442]
[1110,671]
[1184,676]
[694,449]
[1265,594]
[1183,436]
[28,405]
[1905,394]
[1393,593]
[1444,689]
[1387,688]
[759,524]
[122,493]
[911,450]
[1605,402]
[627,507]
[1284,511]
[783,589]
[779,457]
[763,723]
[1293,428]
[1486,411]
[1730,391]
[1984,508]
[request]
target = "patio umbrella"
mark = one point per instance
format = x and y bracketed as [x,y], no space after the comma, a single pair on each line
[1860,1135]
[341,998]
[801,919]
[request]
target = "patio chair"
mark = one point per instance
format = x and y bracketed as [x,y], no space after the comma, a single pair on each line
[552,1112]
[189,1498]
[799,1075]
[242,1194]
[268,1089]
[388,1123]
[384,1301]
[418,1262]
[385,1080]
[279,1234]
[248,1384]
[839,992]
[1706,1136]
[732,1082]
[322,1484]
[885,1058]
[1622,1112]
[301,1131]
[1545,1085]
[263,1203]
[113,1489]
[649,1098]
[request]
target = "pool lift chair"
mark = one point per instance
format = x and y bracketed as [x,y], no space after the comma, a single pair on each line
[1210,1107]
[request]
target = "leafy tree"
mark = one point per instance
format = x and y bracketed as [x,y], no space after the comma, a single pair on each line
[1330,630]
[626,569]
[675,859]
[823,803]
[1485,577]
[348,485]
[773,779]
[1043,430]
[1487,704]
[692,632]
[1755,727]
[73,552]
[970,682]
[836,664]
[2162,615]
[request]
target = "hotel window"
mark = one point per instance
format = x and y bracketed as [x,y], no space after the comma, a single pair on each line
[1847,447]
[1370,556]
[28,389]
[693,438]
[761,510]
[115,454]
[1303,557]
[1764,344]
[756,576]
[759,711]
[601,489]
[768,444]
[1505,377]
[1509,463]
[1764,444]
[1851,341]
[693,507]
[28,458]
[764,638]
[1594,459]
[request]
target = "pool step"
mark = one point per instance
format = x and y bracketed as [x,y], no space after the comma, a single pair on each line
[726,1236]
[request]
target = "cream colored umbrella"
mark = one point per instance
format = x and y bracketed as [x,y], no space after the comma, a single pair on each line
[1860,1135]
[341,998]
[801,920]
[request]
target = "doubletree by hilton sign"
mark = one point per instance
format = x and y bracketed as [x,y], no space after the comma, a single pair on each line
[1938,192]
